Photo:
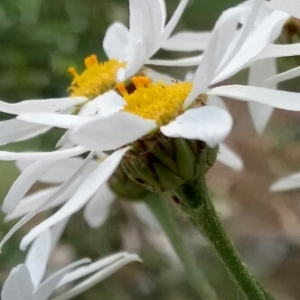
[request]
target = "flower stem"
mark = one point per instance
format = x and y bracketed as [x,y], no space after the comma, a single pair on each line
[195,276]
[195,200]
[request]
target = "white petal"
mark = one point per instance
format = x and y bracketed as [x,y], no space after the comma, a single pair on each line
[18,285]
[30,203]
[227,157]
[209,124]
[109,103]
[43,105]
[61,170]
[287,183]
[187,41]
[84,193]
[92,268]
[37,257]
[290,74]
[146,216]
[88,109]
[218,43]
[15,130]
[255,43]
[112,132]
[278,99]
[182,62]
[171,24]
[280,51]
[54,120]
[63,188]
[44,291]
[259,71]
[23,183]
[115,41]
[56,232]
[159,77]
[217,101]
[291,7]
[97,210]
[53,155]
[96,278]
[138,55]
[242,35]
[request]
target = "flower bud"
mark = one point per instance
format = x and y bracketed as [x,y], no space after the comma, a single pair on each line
[159,163]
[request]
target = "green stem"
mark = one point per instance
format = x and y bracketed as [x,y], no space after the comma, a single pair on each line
[195,276]
[195,200]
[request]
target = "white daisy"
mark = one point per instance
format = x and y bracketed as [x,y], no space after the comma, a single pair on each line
[25,281]
[120,122]
[127,50]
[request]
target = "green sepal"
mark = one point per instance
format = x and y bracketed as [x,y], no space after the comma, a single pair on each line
[167,179]
[185,159]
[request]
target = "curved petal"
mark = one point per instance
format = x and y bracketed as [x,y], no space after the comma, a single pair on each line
[43,105]
[34,201]
[60,171]
[97,210]
[44,291]
[18,285]
[290,74]
[209,124]
[171,25]
[274,98]
[52,155]
[242,35]
[273,50]
[109,103]
[261,113]
[115,41]
[92,268]
[15,130]
[84,193]
[62,189]
[187,41]
[254,44]
[182,62]
[287,183]
[99,276]
[220,39]
[112,132]
[23,183]
[37,257]
[227,157]
[137,57]
[292,7]
[54,120]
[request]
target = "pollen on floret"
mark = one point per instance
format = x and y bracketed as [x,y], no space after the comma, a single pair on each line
[156,101]
[96,79]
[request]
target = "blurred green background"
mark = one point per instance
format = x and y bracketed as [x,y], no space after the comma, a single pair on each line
[39,40]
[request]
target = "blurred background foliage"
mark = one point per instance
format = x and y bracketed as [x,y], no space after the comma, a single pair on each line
[39,40]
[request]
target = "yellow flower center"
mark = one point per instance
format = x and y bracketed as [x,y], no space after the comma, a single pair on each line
[155,101]
[96,79]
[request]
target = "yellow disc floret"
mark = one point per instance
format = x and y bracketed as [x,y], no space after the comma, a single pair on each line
[96,79]
[155,101]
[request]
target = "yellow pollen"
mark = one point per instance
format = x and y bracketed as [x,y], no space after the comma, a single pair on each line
[156,101]
[96,79]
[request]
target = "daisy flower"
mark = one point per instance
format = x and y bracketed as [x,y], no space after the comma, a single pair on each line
[127,51]
[142,108]
[25,281]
